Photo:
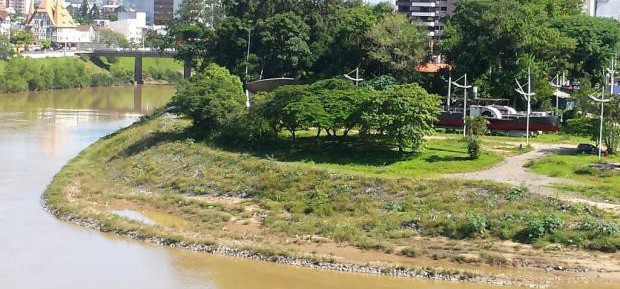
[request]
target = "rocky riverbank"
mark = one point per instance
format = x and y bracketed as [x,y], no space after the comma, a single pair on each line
[399,271]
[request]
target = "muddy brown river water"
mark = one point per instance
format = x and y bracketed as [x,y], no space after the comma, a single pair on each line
[39,132]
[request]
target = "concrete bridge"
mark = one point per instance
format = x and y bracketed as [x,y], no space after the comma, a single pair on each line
[137,54]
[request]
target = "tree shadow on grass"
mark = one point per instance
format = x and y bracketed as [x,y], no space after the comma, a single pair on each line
[436,158]
[349,151]
[157,138]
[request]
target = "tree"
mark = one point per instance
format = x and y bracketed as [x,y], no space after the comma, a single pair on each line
[476,127]
[597,39]
[611,129]
[6,49]
[397,44]
[94,12]
[113,38]
[46,44]
[22,39]
[404,115]
[493,48]
[212,98]
[285,50]
[348,48]
[84,11]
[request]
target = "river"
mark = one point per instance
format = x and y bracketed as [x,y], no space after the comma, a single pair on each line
[39,132]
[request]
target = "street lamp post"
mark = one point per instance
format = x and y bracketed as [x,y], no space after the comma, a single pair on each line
[528,96]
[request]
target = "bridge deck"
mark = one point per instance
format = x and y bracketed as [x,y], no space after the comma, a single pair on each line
[128,53]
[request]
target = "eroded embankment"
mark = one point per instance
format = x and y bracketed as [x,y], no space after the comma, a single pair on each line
[300,214]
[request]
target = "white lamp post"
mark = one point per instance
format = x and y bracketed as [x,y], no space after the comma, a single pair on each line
[528,96]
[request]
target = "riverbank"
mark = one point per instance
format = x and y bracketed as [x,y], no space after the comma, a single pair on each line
[222,202]
[25,74]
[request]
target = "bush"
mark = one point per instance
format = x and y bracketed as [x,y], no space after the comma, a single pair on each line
[409,252]
[212,98]
[540,226]
[475,225]
[599,227]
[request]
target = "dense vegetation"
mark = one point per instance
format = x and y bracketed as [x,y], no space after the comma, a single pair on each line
[553,36]
[399,115]
[307,39]
[21,74]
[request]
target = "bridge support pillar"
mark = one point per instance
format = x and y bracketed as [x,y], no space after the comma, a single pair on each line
[187,69]
[137,70]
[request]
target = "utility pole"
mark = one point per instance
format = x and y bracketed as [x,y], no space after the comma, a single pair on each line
[612,74]
[449,89]
[602,101]
[465,87]
[528,96]
[247,54]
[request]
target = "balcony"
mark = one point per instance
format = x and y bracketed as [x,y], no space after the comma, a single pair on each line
[423,14]
[423,4]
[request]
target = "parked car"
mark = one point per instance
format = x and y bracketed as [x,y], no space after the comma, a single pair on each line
[588,149]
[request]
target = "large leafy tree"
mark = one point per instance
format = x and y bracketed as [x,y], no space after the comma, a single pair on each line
[495,47]
[403,115]
[597,41]
[348,47]
[397,44]
[285,50]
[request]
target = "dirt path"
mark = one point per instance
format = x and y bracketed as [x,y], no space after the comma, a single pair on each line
[512,170]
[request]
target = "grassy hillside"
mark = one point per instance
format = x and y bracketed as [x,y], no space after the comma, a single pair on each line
[154,69]
[238,199]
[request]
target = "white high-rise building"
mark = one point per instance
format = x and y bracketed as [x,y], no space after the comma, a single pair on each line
[429,12]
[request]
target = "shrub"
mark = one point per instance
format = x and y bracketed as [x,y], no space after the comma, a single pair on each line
[599,227]
[516,193]
[212,98]
[493,259]
[476,126]
[605,244]
[540,226]
[475,225]
[409,252]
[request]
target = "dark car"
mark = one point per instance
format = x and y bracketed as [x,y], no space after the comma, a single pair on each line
[588,149]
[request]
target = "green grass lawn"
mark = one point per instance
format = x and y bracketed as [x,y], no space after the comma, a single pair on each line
[575,167]
[543,138]
[353,155]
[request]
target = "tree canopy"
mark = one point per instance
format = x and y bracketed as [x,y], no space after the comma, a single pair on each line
[302,39]
[553,36]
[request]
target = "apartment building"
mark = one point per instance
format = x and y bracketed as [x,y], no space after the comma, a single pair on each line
[20,6]
[431,13]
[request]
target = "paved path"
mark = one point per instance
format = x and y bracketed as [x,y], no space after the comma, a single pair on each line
[512,170]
